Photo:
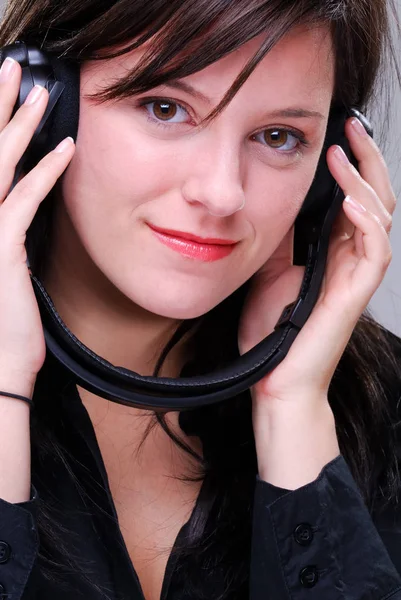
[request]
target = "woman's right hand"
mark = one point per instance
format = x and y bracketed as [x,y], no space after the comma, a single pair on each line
[22,344]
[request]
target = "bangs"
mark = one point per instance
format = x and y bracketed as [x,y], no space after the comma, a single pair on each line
[183,38]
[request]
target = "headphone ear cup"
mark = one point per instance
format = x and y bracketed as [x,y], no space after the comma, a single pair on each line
[61,79]
[317,200]
[60,120]
[321,193]
[63,121]
[65,117]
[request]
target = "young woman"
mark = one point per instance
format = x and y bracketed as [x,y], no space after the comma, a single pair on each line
[288,491]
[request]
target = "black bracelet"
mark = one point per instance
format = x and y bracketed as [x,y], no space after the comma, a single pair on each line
[24,398]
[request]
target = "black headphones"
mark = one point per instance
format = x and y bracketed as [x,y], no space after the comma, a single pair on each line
[312,232]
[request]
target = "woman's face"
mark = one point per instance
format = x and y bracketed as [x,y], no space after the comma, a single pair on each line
[142,163]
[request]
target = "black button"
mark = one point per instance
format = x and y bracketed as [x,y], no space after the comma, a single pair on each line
[303,534]
[5,552]
[308,577]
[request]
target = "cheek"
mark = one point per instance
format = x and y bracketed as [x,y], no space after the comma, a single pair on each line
[114,172]
[274,205]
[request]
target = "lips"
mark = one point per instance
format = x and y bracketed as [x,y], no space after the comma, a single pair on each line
[192,246]
[194,238]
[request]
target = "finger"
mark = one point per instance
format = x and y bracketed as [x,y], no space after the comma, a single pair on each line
[19,208]
[371,164]
[374,248]
[355,186]
[10,80]
[16,136]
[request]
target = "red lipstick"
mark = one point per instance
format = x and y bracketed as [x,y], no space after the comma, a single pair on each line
[193,246]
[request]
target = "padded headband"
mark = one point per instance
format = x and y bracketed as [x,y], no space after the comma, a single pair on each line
[312,233]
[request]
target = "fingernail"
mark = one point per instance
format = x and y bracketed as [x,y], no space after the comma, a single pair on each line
[341,156]
[354,204]
[7,69]
[64,145]
[358,127]
[34,94]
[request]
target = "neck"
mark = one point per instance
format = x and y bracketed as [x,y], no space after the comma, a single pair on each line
[118,330]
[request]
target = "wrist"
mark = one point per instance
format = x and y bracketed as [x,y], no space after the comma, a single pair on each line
[294,441]
[17,382]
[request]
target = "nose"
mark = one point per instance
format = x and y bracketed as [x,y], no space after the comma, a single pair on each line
[214,180]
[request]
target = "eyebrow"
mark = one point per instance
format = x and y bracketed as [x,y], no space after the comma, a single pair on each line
[297,113]
[186,87]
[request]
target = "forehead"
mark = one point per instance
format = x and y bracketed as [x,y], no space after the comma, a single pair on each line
[301,64]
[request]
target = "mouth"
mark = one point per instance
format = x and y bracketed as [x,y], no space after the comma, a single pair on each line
[192,246]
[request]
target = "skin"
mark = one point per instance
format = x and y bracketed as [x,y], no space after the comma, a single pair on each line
[127,171]
[111,280]
[121,292]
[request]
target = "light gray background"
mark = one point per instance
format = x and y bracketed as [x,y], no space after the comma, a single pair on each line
[386,303]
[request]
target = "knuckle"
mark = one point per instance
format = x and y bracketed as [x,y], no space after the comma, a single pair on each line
[44,171]
[6,104]
[5,231]
[47,162]
[381,225]
[388,222]
[392,202]
[5,184]
[5,245]
[25,188]
[355,172]
[376,150]
[386,260]
[4,155]
[376,219]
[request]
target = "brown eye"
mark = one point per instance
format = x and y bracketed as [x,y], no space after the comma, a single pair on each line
[164,110]
[276,138]
[279,139]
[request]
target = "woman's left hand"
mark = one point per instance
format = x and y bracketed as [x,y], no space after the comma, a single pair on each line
[294,426]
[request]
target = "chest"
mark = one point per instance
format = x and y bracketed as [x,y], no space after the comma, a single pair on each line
[149,533]
[151,499]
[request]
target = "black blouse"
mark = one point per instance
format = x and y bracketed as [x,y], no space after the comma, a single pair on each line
[315,543]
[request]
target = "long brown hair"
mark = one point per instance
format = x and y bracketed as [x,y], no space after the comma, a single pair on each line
[184,37]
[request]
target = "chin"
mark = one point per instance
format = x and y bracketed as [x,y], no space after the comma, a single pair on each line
[177,304]
[180,309]
[171,297]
